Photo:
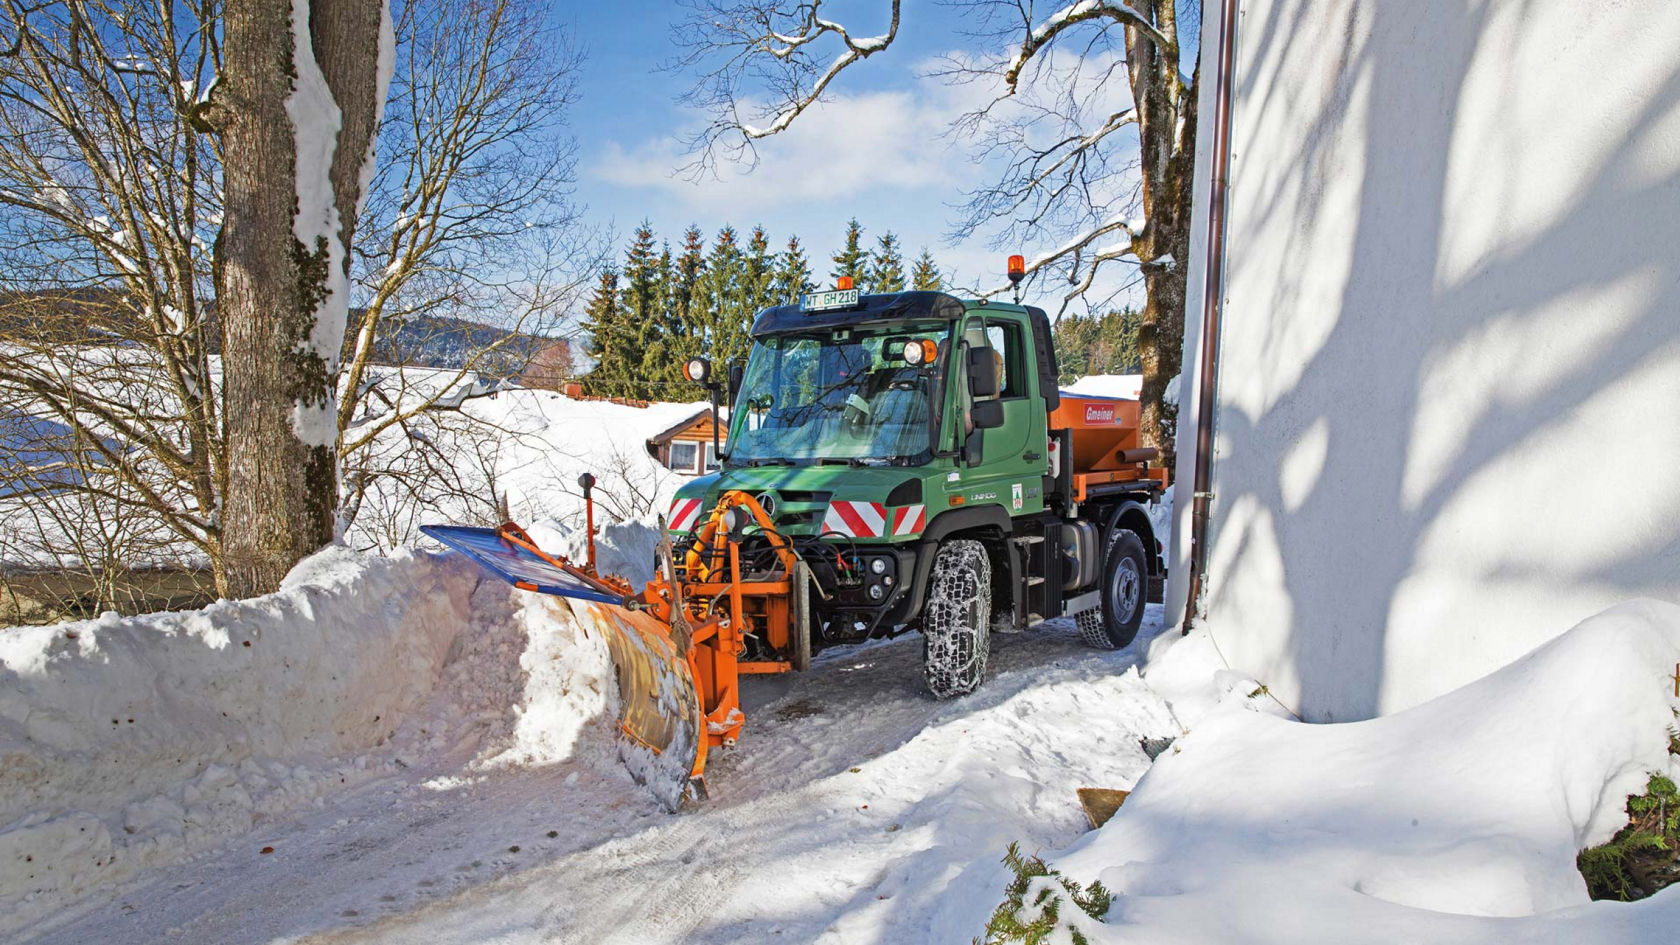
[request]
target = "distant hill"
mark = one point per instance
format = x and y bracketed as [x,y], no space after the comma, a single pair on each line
[439,342]
[99,316]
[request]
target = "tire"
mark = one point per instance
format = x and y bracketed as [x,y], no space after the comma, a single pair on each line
[956,624]
[1125,590]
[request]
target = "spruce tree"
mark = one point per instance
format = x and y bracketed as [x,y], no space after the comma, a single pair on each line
[1098,344]
[642,312]
[852,260]
[925,277]
[758,282]
[685,279]
[686,307]
[608,339]
[722,292]
[886,266]
[793,274]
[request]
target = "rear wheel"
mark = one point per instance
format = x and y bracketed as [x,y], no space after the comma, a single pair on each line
[956,624]
[1125,585]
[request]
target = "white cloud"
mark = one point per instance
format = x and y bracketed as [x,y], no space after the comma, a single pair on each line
[855,145]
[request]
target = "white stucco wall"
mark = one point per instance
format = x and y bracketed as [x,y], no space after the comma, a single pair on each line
[1448,420]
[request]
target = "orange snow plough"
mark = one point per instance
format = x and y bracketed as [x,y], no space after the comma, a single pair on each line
[677,644]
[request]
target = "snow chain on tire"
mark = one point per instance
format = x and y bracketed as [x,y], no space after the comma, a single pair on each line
[956,624]
[1125,587]
[1091,630]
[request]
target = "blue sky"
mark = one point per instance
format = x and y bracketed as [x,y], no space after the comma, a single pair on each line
[874,151]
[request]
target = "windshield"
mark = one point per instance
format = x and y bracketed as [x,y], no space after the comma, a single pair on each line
[847,395]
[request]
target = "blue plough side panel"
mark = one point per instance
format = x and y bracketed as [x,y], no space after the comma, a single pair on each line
[515,564]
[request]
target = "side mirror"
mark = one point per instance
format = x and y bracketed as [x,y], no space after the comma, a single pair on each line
[736,372]
[974,448]
[982,372]
[986,414]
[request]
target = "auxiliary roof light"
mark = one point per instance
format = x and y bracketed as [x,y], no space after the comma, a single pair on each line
[1017,269]
[843,283]
[699,370]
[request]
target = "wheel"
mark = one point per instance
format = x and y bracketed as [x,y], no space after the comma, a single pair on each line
[1125,584]
[956,637]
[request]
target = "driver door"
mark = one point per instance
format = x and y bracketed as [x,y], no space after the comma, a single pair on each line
[1013,456]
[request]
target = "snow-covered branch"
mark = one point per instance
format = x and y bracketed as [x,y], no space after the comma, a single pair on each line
[1072,15]
[729,43]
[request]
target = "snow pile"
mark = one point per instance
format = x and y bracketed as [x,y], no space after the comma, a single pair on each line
[1122,386]
[568,694]
[1458,820]
[125,743]
[129,744]
[624,549]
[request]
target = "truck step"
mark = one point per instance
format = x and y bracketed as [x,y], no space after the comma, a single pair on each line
[1028,540]
[1034,581]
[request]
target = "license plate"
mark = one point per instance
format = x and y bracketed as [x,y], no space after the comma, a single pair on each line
[826,301]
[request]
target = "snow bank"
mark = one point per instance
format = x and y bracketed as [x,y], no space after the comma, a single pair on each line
[126,743]
[129,744]
[1458,820]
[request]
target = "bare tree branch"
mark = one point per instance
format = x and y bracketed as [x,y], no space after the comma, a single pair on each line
[773,48]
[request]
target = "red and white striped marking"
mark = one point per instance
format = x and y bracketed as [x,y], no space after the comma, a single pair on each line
[873,520]
[909,520]
[685,514]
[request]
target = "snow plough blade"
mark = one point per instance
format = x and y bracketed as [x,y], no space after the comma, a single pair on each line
[661,732]
[681,644]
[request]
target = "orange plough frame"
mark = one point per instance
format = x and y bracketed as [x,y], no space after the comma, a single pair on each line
[702,608]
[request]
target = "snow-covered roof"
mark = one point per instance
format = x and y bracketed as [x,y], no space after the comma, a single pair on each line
[1124,386]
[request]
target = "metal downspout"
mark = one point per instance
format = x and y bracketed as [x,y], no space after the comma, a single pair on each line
[1212,310]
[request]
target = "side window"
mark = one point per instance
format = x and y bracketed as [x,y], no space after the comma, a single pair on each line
[1005,339]
[684,455]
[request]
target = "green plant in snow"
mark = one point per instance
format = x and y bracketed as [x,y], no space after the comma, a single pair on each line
[1031,909]
[1642,857]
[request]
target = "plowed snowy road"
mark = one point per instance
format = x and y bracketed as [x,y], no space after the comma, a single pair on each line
[856,809]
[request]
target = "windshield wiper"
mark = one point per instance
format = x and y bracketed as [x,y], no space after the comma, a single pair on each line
[770,461]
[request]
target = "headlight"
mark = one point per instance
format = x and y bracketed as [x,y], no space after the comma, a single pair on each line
[877,565]
[875,592]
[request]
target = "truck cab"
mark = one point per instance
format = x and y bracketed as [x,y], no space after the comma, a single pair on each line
[906,446]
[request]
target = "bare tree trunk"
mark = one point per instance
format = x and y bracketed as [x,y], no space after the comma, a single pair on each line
[283,308]
[1166,132]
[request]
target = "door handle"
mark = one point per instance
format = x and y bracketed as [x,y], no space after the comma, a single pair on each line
[1032,457]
